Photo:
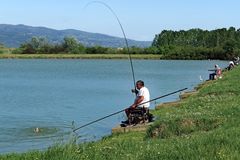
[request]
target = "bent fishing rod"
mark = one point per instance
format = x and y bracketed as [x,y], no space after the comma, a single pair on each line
[125,37]
[97,120]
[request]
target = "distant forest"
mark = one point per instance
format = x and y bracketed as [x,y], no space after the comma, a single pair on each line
[199,44]
[223,44]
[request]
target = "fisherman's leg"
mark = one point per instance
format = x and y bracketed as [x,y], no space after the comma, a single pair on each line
[211,76]
[127,111]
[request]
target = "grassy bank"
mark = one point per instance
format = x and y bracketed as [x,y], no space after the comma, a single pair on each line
[77,56]
[203,126]
[4,50]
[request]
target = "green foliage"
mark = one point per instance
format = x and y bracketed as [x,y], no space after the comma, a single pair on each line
[199,44]
[35,46]
[40,45]
[71,45]
[3,49]
[152,50]
[96,50]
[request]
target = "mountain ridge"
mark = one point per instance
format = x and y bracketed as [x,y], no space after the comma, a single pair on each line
[15,35]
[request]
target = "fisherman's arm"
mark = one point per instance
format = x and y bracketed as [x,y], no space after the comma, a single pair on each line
[212,70]
[137,101]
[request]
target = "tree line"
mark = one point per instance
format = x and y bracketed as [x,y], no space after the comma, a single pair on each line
[199,44]
[191,44]
[70,45]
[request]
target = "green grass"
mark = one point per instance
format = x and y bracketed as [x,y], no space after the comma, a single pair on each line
[78,56]
[4,50]
[204,126]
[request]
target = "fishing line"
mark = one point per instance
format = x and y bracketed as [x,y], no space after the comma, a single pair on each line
[97,120]
[126,42]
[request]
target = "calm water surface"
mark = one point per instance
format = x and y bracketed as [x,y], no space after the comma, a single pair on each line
[50,94]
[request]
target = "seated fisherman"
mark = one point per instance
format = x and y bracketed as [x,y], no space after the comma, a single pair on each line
[236,60]
[217,73]
[142,96]
[231,65]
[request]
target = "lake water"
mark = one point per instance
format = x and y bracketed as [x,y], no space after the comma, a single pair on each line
[50,94]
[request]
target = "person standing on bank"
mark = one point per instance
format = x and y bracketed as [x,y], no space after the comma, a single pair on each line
[143,95]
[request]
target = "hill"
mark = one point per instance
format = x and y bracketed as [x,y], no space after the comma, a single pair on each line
[14,35]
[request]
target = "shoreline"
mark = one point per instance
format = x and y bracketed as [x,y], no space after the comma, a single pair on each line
[94,56]
[79,56]
[175,103]
[183,95]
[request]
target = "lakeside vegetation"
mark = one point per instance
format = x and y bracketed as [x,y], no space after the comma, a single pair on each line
[196,44]
[203,126]
[223,44]
[70,45]
[77,56]
[4,50]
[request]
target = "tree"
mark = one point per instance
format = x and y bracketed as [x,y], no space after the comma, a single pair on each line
[72,45]
[152,50]
[35,45]
[229,47]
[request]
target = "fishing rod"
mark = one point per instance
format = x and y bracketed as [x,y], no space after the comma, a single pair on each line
[125,37]
[97,120]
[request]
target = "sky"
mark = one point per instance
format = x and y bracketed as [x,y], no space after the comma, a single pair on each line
[141,19]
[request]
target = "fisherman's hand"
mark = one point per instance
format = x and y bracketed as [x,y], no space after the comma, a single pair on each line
[134,91]
[133,106]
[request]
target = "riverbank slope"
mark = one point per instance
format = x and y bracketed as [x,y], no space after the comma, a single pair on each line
[202,126]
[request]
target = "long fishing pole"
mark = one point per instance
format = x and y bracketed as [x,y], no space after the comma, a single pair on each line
[97,120]
[125,37]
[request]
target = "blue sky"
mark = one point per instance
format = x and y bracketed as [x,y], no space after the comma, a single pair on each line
[141,19]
